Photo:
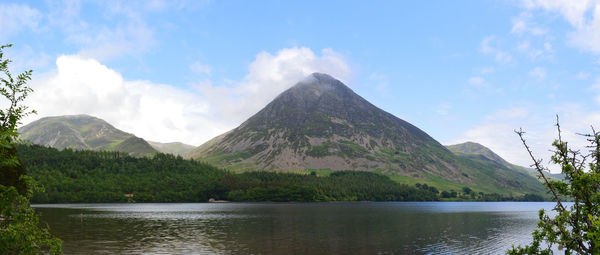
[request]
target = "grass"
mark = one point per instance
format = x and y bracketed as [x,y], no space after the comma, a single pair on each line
[480,173]
[437,182]
[432,180]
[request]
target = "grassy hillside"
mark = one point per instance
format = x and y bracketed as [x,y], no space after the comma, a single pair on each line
[175,148]
[83,132]
[483,155]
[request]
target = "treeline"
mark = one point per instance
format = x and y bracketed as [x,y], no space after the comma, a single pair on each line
[91,176]
[339,186]
[469,195]
[71,176]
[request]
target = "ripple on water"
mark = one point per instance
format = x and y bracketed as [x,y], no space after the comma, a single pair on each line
[311,228]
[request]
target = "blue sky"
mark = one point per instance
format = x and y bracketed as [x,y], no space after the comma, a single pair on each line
[190,70]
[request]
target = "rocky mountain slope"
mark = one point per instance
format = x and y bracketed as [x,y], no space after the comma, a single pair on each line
[320,123]
[83,132]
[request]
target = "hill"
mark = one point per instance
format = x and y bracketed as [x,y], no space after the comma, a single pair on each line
[83,132]
[474,150]
[471,148]
[175,148]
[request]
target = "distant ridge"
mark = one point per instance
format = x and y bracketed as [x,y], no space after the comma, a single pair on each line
[472,149]
[175,148]
[83,132]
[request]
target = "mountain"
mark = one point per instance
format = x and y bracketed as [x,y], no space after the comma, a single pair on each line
[175,148]
[320,123]
[474,150]
[471,148]
[83,132]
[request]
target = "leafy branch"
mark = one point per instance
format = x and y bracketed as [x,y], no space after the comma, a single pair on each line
[575,229]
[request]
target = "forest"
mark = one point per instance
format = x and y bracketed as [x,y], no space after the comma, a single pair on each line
[80,176]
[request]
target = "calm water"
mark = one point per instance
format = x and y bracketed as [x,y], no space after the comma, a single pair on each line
[293,228]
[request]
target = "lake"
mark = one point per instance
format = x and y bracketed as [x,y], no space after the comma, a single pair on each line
[293,228]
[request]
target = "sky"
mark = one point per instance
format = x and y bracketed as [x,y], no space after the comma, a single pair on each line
[190,70]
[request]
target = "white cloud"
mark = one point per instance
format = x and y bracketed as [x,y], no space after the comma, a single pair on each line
[582,75]
[584,17]
[165,113]
[268,76]
[486,70]
[65,16]
[539,73]
[189,5]
[126,34]
[153,111]
[25,58]
[478,82]
[497,131]
[198,67]
[15,17]
[443,109]
[596,88]
[500,56]
[545,51]
[478,85]
[523,24]
[106,43]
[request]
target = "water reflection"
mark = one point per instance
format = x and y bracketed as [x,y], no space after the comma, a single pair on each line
[302,228]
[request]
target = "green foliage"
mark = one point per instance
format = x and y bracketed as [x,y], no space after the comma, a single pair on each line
[339,186]
[532,197]
[19,230]
[15,90]
[575,229]
[427,188]
[446,194]
[94,177]
[467,190]
[90,176]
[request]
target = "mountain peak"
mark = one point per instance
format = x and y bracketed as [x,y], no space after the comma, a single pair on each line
[472,148]
[323,78]
[318,78]
[316,84]
[320,123]
[74,116]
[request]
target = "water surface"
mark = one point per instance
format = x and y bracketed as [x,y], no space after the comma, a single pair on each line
[293,228]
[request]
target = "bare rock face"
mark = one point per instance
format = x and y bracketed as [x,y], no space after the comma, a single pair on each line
[320,123]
